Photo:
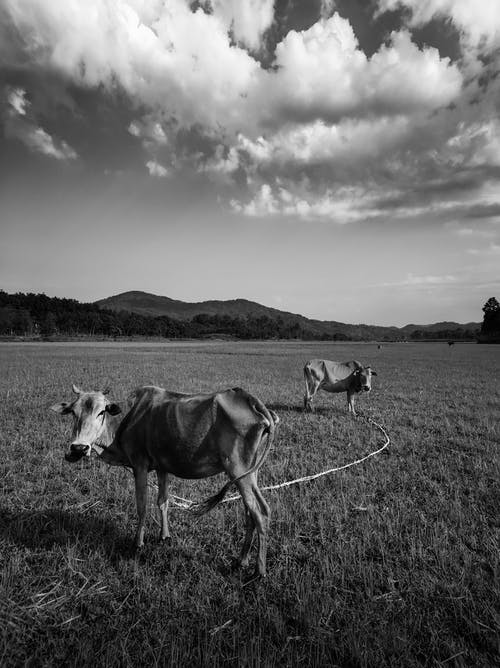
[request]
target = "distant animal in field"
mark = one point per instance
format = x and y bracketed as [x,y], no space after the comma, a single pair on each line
[189,436]
[451,343]
[350,377]
[379,347]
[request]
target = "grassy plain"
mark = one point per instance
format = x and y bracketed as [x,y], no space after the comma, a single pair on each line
[391,563]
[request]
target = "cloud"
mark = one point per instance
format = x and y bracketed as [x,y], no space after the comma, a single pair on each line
[184,63]
[492,249]
[16,97]
[478,233]
[321,144]
[149,130]
[323,74]
[429,280]
[155,169]
[248,20]
[342,205]
[224,162]
[478,22]
[319,130]
[327,8]
[415,281]
[39,140]
[20,124]
[164,56]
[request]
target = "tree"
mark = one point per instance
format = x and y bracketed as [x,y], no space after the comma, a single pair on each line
[49,325]
[491,321]
[23,323]
[7,318]
[491,306]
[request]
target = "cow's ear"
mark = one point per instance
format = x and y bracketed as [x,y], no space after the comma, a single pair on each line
[113,409]
[63,408]
[374,373]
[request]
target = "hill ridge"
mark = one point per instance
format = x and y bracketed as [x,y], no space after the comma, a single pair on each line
[146,303]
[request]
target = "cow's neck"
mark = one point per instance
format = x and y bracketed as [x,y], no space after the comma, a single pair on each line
[108,433]
[106,447]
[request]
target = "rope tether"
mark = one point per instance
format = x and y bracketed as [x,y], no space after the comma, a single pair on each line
[186,504]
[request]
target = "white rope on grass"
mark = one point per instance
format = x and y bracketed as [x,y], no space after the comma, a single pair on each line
[186,504]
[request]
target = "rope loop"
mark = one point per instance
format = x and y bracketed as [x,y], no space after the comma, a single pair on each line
[187,504]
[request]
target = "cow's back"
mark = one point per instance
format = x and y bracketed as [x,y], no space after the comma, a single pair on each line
[333,376]
[177,432]
[165,429]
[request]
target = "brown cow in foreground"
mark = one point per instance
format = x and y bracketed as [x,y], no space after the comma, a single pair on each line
[350,377]
[189,436]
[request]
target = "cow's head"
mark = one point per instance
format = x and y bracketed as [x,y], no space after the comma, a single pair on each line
[363,377]
[90,411]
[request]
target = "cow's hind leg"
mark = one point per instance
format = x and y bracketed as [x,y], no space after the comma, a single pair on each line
[163,504]
[250,524]
[141,497]
[247,541]
[259,513]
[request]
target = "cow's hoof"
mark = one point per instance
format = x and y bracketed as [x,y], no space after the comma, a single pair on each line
[165,541]
[234,566]
[254,579]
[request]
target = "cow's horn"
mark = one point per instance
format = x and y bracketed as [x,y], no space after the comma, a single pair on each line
[76,389]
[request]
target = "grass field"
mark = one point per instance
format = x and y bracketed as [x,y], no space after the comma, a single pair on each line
[391,563]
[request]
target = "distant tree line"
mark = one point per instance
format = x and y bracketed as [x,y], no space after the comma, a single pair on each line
[41,316]
[444,334]
[36,315]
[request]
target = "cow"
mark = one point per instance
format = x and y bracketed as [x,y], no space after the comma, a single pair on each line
[350,377]
[187,435]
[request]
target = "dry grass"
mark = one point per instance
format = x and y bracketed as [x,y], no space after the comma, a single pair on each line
[394,562]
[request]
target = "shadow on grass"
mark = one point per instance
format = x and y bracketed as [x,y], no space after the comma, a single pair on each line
[285,408]
[49,529]
[319,410]
[46,529]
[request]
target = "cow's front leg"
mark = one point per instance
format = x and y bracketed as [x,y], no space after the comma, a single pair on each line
[141,497]
[350,403]
[163,504]
[309,396]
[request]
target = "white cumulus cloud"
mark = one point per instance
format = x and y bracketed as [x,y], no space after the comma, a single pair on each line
[319,122]
[156,169]
[16,98]
[478,22]
[322,73]
[248,20]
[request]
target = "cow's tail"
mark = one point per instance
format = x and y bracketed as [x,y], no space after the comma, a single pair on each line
[272,420]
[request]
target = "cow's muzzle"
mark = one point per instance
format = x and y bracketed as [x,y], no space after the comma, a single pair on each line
[77,451]
[366,388]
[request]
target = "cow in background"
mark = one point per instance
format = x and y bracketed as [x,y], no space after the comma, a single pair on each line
[350,377]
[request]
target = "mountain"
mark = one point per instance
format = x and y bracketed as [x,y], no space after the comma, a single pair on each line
[441,326]
[144,303]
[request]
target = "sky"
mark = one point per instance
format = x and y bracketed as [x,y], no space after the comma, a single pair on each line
[334,158]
